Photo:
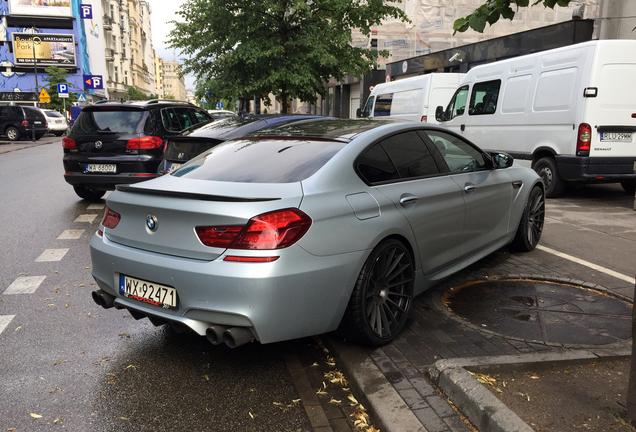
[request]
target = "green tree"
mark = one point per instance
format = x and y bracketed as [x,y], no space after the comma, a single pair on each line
[492,10]
[57,76]
[285,47]
[133,93]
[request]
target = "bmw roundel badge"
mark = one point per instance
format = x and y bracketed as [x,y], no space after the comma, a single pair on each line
[151,222]
[98,144]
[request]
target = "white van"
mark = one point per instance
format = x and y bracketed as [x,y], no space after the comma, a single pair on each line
[411,98]
[571,111]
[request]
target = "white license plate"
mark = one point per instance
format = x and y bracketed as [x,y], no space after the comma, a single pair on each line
[616,136]
[148,292]
[101,168]
[37,122]
[174,166]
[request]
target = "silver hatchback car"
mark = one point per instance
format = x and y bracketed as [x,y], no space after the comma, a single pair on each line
[310,227]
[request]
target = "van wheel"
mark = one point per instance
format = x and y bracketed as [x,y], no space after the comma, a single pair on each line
[88,194]
[547,170]
[629,187]
[13,134]
[381,299]
[531,224]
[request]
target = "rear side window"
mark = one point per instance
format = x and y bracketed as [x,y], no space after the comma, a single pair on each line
[201,116]
[177,119]
[383,105]
[104,121]
[261,161]
[402,156]
[483,98]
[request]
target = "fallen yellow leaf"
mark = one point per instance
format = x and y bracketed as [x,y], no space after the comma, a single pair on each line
[36,415]
[18,328]
[59,362]
[251,415]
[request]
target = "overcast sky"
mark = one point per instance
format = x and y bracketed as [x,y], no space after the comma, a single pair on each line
[162,12]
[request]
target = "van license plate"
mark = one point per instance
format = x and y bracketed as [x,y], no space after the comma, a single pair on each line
[616,136]
[101,168]
[148,292]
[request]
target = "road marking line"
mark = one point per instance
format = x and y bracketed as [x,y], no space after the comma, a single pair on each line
[4,321]
[86,218]
[52,255]
[25,285]
[612,273]
[71,234]
[95,207]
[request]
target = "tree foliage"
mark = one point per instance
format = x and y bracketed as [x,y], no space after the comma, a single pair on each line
[57,75]
[133,93]
[284,47]
[492,10]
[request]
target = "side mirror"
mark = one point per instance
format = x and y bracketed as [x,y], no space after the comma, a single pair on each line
[439,114]
[502,160]
[359,112]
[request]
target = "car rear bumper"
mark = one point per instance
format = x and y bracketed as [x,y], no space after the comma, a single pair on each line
[105,181]
[296,296]
[596,169]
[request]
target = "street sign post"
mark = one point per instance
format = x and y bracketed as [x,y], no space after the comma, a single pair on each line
[81,98]
[62,91]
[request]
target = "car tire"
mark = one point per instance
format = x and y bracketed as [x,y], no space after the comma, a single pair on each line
[547,169]
[532,222]
[13,134]
[59,133]
[381,299]
[88,194]
[629,187]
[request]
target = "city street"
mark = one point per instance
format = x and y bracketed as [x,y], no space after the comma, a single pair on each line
[66,363]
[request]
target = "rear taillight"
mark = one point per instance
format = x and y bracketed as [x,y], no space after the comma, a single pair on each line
[274,230]
[111,218]
[25,122]
[68,143]
[144,143]
[424,119]
[583,138]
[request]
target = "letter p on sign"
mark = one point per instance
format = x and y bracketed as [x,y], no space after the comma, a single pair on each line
[87,11]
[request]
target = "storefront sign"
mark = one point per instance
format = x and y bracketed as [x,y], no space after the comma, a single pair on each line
[41,7]
[49,49]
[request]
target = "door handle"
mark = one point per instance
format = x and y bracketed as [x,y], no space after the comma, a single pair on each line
[470,188]
[408,200]
[462,127]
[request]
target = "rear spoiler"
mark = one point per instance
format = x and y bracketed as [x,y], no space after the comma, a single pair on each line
[189,195]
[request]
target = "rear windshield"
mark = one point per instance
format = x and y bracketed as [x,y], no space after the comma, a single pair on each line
[53,114]
[104,121]
[261,161]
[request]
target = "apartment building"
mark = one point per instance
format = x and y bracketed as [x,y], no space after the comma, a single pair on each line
[173,85]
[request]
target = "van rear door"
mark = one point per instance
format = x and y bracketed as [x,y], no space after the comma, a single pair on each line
[612,113]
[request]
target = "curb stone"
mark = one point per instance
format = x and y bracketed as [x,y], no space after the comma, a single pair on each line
[484,410]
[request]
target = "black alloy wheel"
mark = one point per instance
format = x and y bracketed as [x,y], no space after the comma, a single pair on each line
[532,220]
[381,299]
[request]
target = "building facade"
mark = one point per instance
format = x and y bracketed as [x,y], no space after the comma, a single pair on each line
[173,85]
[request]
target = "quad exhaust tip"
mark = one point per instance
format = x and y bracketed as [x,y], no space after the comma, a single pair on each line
[103,299]
[231,336]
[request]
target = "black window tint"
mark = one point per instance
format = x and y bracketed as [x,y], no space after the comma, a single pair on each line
[201,116]
[383,105]
[410,155]
[119,121]
[483,98]
[457,104]
[170,120]
[375,166]
[261,161]
[457,153]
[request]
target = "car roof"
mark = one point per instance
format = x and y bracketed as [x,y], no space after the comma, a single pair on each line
[143,105]
[233,127]
[333,129]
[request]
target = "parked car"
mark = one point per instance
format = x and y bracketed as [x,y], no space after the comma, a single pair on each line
[196,140]
[221,113]
[17,121]
[115,143]
[58,124]
[309,227]
[569,111]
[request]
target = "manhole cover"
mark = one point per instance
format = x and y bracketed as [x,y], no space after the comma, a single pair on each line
[541,311]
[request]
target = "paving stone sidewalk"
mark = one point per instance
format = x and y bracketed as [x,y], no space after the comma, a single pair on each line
[432,333]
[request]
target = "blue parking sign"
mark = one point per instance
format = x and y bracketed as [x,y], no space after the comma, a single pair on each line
[62,88]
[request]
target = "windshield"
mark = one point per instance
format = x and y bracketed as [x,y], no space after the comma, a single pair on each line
[109,121]
[368,107]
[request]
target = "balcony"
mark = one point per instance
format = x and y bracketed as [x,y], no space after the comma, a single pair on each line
[107,23]
[110,54]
